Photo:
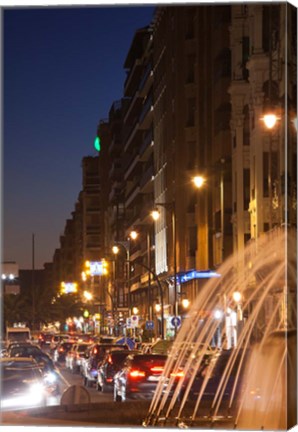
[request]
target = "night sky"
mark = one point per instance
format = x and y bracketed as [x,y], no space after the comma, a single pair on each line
[62,70]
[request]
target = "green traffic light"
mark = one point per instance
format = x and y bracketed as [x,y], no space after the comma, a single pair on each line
[97,144]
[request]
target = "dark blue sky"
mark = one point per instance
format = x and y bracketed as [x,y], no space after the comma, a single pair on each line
[62,70]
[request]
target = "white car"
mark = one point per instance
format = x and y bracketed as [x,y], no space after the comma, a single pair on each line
[22,384]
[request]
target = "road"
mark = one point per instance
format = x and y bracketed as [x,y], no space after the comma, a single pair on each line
[69,379]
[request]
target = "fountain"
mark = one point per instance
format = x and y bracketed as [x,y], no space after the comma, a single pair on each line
[237,348]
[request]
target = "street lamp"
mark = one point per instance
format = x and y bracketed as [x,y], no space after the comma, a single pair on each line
[155,215]
[126,245]
[198,181]
[270,120]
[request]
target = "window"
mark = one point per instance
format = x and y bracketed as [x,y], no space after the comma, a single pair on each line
[191,155]
[246,188]
[246,128]
[265,174]
[190,25]
[222,64]
[222,117]
[191,108]
[190,70]
[192,241]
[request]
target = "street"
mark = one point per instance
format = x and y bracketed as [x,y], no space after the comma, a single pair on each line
[68,379]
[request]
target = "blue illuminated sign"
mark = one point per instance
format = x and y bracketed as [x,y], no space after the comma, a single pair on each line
[194,274]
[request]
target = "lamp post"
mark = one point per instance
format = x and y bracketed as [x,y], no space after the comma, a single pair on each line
[155,215]
[126,245]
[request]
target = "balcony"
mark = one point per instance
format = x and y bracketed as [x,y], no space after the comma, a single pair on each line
[92,229]
[146,179]
[134,107]
[131,134]
[146,81]
[132,194]
[93,208]
[133,76]
[147,145]
[145,118]
[131,165]
[116,171]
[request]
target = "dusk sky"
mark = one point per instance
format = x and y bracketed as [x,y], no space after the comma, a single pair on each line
[62,70]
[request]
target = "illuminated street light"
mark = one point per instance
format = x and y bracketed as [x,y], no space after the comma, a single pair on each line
[270,120]
[133,235]
[115,250]
[158,307]
[198,181]
[185,303]
[218,314]
[155,214]
[88,295]
[237,296]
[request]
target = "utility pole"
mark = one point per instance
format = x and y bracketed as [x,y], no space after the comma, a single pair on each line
[33,282]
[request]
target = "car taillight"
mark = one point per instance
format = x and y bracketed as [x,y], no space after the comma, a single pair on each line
[157,369]
[110,360]
[135,373]
[109,379]
[177,374]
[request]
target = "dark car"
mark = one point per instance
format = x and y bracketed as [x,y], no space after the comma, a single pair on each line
[44,362]
[96,355]
[110,365]
[61,350]
[44,339]
[22,384]
[139,376]
[215,370]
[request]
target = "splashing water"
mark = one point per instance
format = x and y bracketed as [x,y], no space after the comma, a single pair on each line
[254,342]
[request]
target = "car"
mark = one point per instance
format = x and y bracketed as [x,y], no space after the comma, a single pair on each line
[96,355]
[44,339]
[214,368]
[23,384]
[73,359]
[56,339]
[110,365]
[61,350]
[139,376]
[24,351]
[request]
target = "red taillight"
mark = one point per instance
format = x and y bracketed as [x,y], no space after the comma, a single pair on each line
[158,369]
[135,373]
[110,359]
[109,379]
[178,374]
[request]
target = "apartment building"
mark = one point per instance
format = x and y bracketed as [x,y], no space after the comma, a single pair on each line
[264,160]
[191,137]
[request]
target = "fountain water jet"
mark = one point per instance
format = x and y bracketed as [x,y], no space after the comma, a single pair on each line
[264,339]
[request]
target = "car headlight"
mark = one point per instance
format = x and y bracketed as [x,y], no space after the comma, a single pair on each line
[36,388]
[50,378]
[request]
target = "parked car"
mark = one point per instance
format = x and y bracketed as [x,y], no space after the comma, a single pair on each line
[22,382]
[139,376]
[110,365]
[61,350]
[96,355]
[73,359]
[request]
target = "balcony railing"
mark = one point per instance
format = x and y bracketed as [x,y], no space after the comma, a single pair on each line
[146,108]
